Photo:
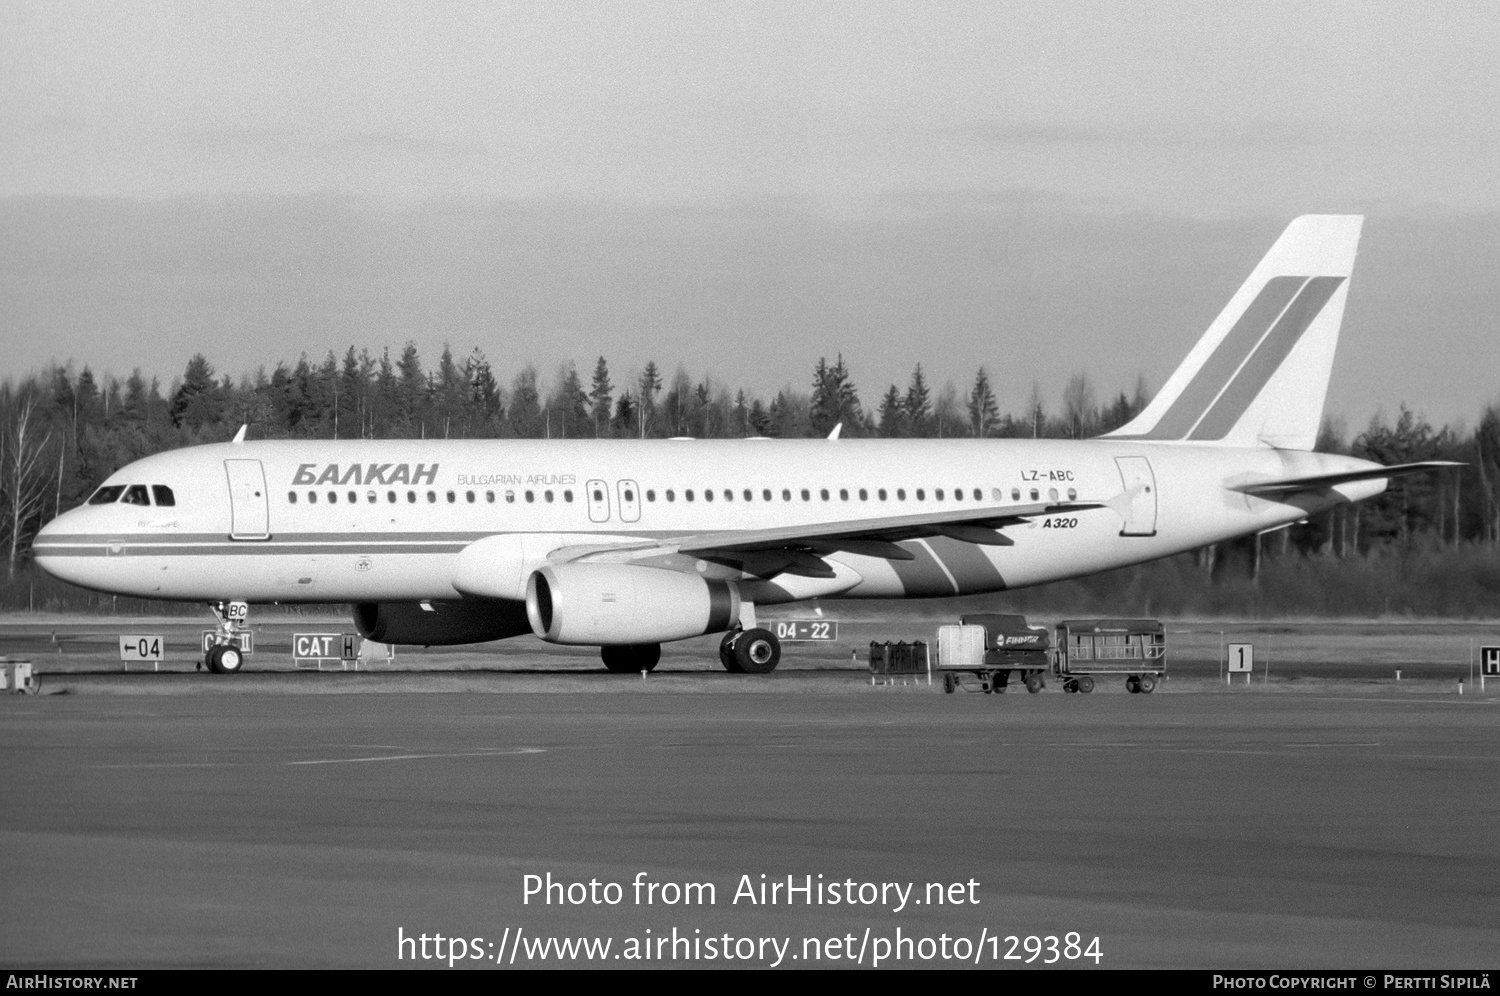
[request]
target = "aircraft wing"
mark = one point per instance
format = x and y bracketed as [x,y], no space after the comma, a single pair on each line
[798,549]
[1287,485]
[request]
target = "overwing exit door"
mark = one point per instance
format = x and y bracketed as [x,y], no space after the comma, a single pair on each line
[1140,488]
[249,504]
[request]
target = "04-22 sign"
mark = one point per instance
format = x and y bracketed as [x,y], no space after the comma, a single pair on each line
[806,630]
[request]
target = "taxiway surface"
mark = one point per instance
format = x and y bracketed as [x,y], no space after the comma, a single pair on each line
[1210,829]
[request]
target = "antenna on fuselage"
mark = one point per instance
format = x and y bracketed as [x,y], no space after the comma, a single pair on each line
[239,437]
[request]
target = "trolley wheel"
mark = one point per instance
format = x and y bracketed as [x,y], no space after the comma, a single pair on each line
[1146,684]
[1132,684]
[1085,684]
[1070,685]
[948,683]
[1035,683]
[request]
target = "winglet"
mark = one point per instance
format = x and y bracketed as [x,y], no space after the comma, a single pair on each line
[239,437]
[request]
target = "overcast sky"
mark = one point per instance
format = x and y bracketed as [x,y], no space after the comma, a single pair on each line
[1038,188]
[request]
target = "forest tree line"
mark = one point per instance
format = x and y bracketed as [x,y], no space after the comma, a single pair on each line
[64,430]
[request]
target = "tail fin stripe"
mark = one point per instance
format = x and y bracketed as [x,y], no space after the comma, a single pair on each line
[1227,357]
[1266,359]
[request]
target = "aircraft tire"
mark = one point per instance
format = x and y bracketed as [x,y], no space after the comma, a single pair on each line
[757,651]
[1070,686]
[948,683]
[1146,683]
[1085,684]
[726,653]
[231,660]
[645,656]
[618,659]
[211,659]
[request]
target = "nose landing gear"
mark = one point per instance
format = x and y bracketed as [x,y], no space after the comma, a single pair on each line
[226,655]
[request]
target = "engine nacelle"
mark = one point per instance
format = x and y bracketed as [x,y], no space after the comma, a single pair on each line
[440,624]
[615,604]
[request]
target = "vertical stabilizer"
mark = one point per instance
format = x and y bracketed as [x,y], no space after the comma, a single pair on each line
[1259,375]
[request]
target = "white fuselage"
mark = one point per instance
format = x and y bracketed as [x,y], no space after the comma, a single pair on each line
[371,520]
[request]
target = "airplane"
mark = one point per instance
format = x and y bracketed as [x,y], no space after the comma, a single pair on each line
[628,544]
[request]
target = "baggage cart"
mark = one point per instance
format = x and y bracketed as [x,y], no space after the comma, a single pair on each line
[995,648]
[1135,648]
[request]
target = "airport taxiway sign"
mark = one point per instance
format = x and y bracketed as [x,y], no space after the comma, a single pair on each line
[1241,657]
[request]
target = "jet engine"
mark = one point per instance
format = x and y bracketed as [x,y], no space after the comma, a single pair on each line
[440,624]
[617,604]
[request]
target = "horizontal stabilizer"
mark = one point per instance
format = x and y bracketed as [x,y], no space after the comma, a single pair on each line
[1287,485]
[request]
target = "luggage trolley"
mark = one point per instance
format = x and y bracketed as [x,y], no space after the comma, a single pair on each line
[993,647]
[1136,648]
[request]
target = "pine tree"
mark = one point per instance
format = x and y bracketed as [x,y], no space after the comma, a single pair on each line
[918,404]
[984,412]
[600,394]
[893,414]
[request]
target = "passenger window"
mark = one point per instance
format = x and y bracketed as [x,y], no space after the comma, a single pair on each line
[806,495]
[978,495]
[937,494]
[312,497]
[450,498]
[864,495]
[651,494]
[1072,494]
[431,497]
[786,494]
[489,496]
[708,494]
[333,497]
[881,494]
[921,495]
[823,494]
[163,495]
[729,495]
[630,494]
[958,494]
[530,497]
[1015,494]
[765,494]
[353,498]
[510,497]
[901,494]
[469,495]
[291,496]
[568,495]
[843,494]
[547,494]
[390,496]
[750,495]
[1035,494]
[136,495]
[411,497]
[107,495]
[1052,494]
[372,497]
[671,495]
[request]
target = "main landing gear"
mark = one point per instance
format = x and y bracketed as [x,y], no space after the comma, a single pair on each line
[631,657]
[750,651]
[226,655]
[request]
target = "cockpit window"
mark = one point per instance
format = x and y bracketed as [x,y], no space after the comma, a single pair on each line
[163,495]
[107,495]
[136,495]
